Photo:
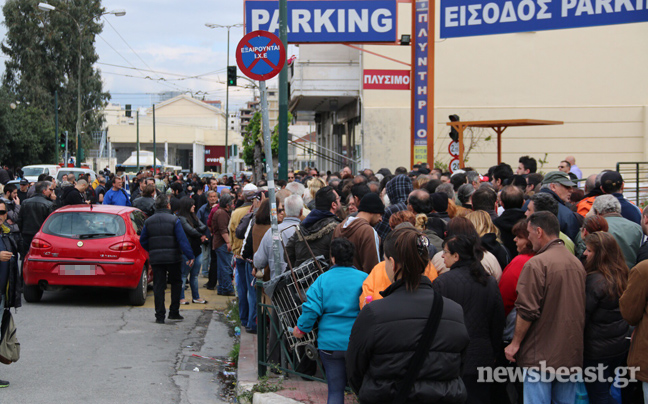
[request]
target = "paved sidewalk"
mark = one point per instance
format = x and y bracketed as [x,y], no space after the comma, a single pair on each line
[295,389]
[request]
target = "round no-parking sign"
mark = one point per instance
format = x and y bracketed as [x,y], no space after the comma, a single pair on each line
[260,55]
[454,165]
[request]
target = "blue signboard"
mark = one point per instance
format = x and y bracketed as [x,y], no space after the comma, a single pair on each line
[461,18]
[326,21]
[421,41]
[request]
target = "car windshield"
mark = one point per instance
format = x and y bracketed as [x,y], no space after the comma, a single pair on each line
[33,171]
[61,173]
[84,225]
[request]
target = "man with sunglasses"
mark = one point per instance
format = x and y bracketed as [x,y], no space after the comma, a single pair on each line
[34,211]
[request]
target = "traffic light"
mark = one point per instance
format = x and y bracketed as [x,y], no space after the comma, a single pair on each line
[61,142]
[454,135]
[231,76]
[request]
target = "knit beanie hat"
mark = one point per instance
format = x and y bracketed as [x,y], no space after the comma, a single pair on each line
[439,202]
[371,203]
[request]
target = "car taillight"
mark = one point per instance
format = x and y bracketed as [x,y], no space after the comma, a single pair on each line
[125,246]
[36,243]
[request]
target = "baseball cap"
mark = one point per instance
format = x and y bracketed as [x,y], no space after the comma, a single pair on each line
[558,177]
[250,188]
[24,182]
[611,180]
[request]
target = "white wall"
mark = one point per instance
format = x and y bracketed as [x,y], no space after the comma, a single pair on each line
[593,79]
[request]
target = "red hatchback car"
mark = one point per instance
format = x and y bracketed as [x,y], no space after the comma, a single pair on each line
[89,245]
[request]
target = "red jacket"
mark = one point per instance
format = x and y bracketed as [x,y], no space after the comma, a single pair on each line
[508,281]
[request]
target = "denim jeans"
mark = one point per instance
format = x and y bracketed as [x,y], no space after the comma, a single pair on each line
[539,392]
[598,392]
[206,258]
[336,379]
[246,293]
[192,272]
[645,391]
[224,259]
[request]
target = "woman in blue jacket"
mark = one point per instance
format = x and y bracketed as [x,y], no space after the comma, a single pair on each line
[332,301]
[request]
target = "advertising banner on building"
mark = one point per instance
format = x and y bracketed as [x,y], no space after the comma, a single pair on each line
[358,21]
[212,155]
[420,67]
[386,80]
[461,18]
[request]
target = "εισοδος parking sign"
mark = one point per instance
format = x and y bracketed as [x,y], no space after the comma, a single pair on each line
[260,55]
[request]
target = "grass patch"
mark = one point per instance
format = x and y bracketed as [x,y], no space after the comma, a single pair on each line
[234,353]
[232,313]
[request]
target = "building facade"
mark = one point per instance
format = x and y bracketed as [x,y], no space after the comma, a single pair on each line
[590,78]
[184,128]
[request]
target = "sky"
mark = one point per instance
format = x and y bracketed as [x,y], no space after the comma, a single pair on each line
[170,38]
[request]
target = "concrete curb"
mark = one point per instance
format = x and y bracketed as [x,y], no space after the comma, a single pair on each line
[272,398]
[247,375]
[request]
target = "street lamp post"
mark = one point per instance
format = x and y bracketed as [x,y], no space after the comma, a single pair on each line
[227,88]
[117,13]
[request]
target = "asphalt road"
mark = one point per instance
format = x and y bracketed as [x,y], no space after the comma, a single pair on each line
[88,346]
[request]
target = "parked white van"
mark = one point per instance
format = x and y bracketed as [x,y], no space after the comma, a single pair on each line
[32,172]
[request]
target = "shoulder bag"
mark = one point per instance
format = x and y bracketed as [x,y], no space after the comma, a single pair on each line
[9,345]
[431,327]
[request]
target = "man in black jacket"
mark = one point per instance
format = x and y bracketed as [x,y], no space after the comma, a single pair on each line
[165,240]
[9,273]
[316,229]
[75,195]
[34,211]
[512,200]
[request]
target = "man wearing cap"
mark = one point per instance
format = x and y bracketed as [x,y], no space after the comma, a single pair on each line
[612,184]
[22,191]
[247,306]
[559,186]
[360,232]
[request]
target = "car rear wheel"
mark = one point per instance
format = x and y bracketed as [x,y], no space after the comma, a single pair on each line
[33,293]
[137,296]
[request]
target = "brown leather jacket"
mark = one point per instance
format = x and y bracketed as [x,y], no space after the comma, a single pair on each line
[635,311]
[551,295]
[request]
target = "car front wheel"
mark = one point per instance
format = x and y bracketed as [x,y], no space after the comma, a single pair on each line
[33,293]
[137,296]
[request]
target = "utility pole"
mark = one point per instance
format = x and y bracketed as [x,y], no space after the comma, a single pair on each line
[283,95]
[65,159]
[267,143]
[228,27]
[227,105]
[138,143]
[154,144]
[56,128]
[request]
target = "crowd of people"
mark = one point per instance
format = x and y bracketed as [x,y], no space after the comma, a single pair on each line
[431,276]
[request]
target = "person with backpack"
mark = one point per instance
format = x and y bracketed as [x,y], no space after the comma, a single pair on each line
[116,195]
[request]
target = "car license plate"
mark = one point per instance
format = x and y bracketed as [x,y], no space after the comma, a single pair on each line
[77,270]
